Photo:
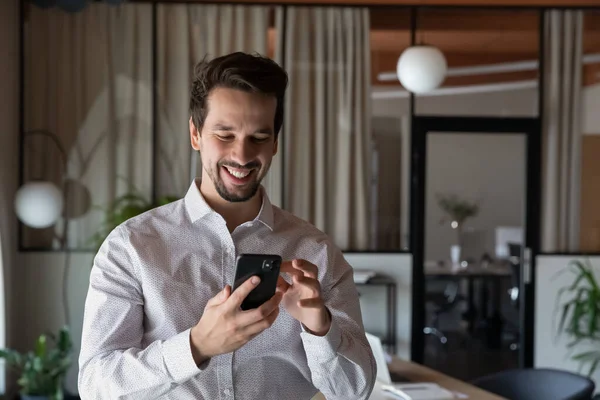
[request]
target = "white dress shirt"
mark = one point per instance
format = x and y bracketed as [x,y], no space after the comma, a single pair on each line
[151,280]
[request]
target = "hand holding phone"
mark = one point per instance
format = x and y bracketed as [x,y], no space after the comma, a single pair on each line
[224,327]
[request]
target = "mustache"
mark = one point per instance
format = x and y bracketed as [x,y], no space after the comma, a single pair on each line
[250,165]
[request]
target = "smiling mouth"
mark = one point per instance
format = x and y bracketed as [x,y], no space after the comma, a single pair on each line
[239,175]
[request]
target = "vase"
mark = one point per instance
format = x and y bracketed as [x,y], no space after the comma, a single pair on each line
[455,254]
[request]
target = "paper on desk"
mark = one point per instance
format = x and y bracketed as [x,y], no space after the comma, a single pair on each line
[460,395]
[419,391]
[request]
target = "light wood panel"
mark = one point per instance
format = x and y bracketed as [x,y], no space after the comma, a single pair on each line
[590,194]
[420,373]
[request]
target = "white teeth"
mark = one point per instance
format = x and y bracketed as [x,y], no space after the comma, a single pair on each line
[238,174]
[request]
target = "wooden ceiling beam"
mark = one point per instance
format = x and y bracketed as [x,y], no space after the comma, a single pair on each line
[474,3]
[455,19]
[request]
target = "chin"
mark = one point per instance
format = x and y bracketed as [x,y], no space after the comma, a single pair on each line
[238,196]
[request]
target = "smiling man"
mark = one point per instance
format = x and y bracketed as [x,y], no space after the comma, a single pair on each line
[161,320]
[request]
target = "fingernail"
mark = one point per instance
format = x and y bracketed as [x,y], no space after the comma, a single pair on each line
[255,280]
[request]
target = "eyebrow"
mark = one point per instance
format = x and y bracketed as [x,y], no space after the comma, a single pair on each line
[226,128]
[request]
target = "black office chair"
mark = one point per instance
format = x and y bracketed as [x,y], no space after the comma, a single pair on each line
[514,251]
[537,384]
[442,303]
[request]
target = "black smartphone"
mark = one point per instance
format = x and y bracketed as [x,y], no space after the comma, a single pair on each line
[266,267]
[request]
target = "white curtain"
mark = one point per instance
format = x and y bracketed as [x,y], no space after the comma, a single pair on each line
[327,131]
[562,131]
[89,78]
[186,35]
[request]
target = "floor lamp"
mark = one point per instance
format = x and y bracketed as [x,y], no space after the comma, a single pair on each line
[40,204]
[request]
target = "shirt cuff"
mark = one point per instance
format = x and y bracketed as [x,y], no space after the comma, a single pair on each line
[177,353]
[322,348]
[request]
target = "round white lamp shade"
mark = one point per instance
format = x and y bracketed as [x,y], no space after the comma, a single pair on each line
[421,68]
[39,204]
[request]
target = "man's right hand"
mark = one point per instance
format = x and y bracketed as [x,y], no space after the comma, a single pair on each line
[224,327]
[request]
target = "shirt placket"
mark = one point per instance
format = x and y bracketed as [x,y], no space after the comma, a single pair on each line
[226,361]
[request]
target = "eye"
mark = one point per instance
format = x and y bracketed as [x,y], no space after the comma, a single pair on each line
[225,138]
[261,139]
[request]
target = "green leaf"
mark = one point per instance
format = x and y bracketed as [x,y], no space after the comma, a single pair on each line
[40,347]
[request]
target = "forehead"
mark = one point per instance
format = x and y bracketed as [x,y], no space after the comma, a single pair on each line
[240,107]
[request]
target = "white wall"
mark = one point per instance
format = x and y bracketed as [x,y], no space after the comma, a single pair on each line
[516,103]
[591,105]
[488,168]
[549,351]
[9,106]
[397,266]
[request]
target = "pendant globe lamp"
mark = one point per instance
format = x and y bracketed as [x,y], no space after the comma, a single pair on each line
[421,68]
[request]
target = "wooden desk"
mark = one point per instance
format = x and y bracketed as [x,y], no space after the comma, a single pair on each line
[420,373]
[473,270]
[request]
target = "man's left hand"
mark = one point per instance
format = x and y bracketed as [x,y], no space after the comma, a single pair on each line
[303,299]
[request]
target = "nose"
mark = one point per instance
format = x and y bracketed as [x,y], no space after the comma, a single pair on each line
[243,151]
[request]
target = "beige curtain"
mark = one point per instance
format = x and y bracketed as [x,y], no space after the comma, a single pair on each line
[327,132]
[88,78]
[186,35]
[561,131]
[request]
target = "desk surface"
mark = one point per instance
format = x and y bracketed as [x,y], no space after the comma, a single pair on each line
[420,373]
[499,270]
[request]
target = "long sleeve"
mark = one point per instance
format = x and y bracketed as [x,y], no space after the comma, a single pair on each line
[341,362]
[113,364]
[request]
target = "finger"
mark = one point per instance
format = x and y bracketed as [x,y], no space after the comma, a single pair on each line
[309,269]
[238,296]
[312,285]
[282,285]
[220,297]
[257,327]
[250,317]
[315,302]
[287,266]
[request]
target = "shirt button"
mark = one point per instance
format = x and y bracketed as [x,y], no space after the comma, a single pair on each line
[227,392]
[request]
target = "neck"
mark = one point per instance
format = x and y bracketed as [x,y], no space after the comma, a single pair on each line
[234,214]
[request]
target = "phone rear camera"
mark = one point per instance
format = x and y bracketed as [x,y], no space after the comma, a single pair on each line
[267,265]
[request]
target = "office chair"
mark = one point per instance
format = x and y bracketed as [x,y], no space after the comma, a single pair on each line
[442,303]
[537,384]
[514,251]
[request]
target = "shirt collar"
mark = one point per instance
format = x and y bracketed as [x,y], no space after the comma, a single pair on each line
[197,207]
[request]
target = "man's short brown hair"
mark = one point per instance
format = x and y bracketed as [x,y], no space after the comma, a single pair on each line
[242,71]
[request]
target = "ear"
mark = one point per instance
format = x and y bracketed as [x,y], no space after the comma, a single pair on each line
[275,145]
[194,135]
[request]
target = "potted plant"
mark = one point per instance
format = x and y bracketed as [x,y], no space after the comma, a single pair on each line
[580,314]
[42,371]
[458,211]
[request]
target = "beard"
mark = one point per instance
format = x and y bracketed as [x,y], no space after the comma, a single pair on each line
[244,193]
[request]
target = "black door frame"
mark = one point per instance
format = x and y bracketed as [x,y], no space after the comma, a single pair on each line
[531,128]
